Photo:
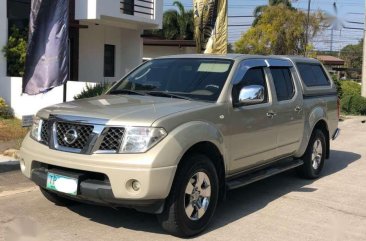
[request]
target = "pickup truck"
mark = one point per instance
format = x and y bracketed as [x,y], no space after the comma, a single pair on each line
[175,134]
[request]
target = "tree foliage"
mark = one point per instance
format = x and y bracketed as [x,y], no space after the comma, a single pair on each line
[352,55]
[15,51]
[280,30]
[260,9]
[176,24]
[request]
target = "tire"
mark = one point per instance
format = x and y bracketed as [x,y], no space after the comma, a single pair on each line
[314,156]
[56,199]
[180,216]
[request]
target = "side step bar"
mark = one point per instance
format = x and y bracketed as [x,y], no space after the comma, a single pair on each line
[263,173]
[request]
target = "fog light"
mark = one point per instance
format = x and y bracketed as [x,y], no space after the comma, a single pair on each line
[136,185]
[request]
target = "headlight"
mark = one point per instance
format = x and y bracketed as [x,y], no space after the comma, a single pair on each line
[141,139]
[35,132]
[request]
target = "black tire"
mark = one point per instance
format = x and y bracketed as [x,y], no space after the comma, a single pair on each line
[310,169]
[174,218]
[56,199]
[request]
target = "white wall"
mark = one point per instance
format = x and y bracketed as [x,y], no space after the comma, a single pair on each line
[91,51]
[111,9]
[157,51]
[23,104]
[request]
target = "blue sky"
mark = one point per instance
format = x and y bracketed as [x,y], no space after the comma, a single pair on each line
[348,10]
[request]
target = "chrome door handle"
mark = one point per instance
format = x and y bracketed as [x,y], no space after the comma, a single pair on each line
[298,108]
[271,114]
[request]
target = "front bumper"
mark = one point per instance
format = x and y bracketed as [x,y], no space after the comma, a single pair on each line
[95,191]
[119,169]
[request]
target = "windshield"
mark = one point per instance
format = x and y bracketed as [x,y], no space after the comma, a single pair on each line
[193,79]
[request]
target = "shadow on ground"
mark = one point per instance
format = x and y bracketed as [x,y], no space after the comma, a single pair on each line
[239,203]
[9,166]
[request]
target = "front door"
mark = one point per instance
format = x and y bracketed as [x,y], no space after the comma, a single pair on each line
[253,138]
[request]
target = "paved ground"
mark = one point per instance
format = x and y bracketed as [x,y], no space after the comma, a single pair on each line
[283,207]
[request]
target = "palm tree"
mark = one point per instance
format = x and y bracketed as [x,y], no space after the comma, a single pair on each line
[176,24]
[259,9]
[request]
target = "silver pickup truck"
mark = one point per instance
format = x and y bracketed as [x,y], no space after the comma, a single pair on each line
[174,135]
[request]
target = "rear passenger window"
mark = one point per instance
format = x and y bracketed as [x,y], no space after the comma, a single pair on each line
[313,75]
[283,82]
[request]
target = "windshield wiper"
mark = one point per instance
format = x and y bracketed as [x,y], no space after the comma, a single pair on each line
[124,91]
[167,94]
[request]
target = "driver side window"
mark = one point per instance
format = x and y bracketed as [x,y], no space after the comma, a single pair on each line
[254,76]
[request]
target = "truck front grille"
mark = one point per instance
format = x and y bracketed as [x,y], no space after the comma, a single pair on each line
[53,134]
[45,133]
[113,139]
[83,134]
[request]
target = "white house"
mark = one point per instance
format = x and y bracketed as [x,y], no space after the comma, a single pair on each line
[105,44]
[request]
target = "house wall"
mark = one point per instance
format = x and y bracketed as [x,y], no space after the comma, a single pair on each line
[111,11]
[23,104]
[91,51]
[157,51]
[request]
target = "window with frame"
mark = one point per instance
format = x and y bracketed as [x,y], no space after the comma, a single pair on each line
[129,7]
[109,60]
[254,76]
[283,82]
[313,74]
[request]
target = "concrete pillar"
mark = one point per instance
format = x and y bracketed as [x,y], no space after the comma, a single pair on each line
[3,36]
[363,91]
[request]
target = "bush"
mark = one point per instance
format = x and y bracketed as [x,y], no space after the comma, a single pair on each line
[354,104]
[350,88]
[5,110]
[339,87]
[15,51]
[92,91]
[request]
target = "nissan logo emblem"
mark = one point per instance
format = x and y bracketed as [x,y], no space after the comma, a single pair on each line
[71,136]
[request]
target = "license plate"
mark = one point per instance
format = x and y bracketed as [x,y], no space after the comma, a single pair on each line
[62,184]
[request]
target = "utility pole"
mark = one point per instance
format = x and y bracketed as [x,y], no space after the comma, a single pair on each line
[331,41]
[363,92]
[307,28]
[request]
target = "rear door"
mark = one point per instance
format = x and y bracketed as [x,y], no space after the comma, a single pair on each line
[288,108]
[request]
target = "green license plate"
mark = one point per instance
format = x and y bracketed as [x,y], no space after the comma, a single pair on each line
[62,184]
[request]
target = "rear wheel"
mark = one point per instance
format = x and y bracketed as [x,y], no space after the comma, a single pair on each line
[193,198]
[314,156]
[56,199]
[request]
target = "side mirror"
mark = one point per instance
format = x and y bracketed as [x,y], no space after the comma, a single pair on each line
[250,95]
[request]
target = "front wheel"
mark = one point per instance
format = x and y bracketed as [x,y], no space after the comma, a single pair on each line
[193,198]
[314,156]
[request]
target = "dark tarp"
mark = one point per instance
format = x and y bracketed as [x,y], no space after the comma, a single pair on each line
[47,61]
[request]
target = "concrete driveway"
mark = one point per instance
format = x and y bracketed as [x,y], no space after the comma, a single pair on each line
[283,207]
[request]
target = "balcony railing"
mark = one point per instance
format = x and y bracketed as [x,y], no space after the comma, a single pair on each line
[142,8]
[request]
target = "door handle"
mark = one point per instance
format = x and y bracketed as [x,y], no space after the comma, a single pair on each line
[298,108]
[271,114]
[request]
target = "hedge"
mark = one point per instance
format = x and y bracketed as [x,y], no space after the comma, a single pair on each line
[354,104]
[5,110]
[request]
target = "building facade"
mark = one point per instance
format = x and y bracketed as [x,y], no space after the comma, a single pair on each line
[105,44]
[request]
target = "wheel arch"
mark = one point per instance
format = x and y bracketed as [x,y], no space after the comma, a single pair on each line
[317,119]
[210,150]
[323,126]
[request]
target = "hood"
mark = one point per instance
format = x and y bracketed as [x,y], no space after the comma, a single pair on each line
[133,110]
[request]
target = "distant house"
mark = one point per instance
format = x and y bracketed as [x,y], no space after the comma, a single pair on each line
[334,65]
[105,44]
[330,62]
